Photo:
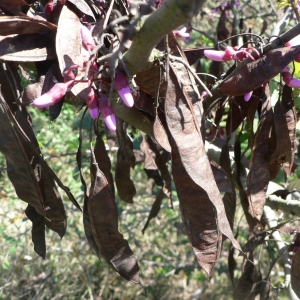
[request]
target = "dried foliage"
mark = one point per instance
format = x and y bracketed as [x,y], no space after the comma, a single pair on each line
[76,48]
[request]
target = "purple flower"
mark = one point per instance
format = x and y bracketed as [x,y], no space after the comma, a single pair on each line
[121,85]
[107,113]
[53,96]
[290,80]
[92,103]
[247,96]
[183,34]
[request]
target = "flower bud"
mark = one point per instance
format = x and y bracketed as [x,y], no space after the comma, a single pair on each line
[52,96]
[121,85]
[290,80]
[49,7]
[107,113]
[92,103]
[247,96]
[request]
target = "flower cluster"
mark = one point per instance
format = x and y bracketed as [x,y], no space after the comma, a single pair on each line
[232,53]
[95,99]
[286,75]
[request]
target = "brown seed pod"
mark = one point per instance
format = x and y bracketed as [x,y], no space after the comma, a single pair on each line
[258,72]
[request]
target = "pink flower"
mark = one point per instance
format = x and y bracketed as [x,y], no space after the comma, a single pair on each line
[49,7]
[52,96]
[107,113]
[182,34]
[294,41]
[87,40]
[247,96]
[121,85]
[290,80]
[92,103]
[218,55]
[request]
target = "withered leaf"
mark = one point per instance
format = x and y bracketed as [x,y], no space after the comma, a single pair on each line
[244,289]
[125,160]
[295,272]
[283,144]
[198,215]
[186,132]
[83,7]
[68,39]
[259,175]
[150,166]
[221,178]
[154,209]
[55,216]
[19,169]
[254,242]
[10,25]
[160,134]
[29,47]
[252,222]
[37,231]
[254,74]
[239,109]
[229,198]
[12,3]
[291,120]
[69,49]
[103,162]
[103,220]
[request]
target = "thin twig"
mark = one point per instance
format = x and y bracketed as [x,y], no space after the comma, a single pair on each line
[174,58]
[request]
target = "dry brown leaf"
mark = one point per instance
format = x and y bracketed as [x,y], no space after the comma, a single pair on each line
[259,174]
[29,47]
[291,120]
[186,132]
[10,25]
[102,226]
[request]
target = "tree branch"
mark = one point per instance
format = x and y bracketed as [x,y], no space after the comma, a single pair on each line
[209,101]
[288,206]
[152,29]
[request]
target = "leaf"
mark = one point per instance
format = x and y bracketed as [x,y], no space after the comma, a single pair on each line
[12,3]
[154,209]
[259,175]
[295,274]
[252,222]
[239,109]
[254,241]
[29,47]
[283,144]
[19,169]
[10,25]
[221,178]
[103,162]
[83,7]
[254,74]
[125,160]
[55,215]
[69,49]
[37,231]
[229,198]
[193,55]
[103,217]
[160,134]
[291,120]
[186,132]
[245,288]
[150,166]
[198,215]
